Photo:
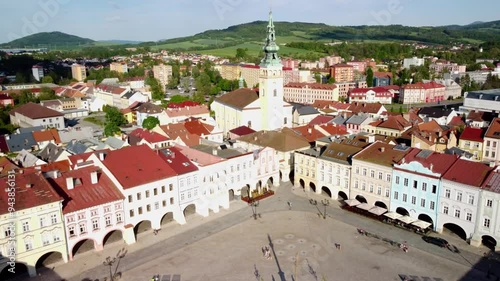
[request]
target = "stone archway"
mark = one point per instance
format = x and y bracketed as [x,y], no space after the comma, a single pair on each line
[189,210]
[380,204]
[455,229]
[489,242]
[402,211]
[302,183]
[326,191]
[112,237]
[270,183]
[142,227]
[245,191]
[49,259]
[342,196]
[231,195]
[83,246]
[426,218]
[167,218]
[361,199]
[312,186]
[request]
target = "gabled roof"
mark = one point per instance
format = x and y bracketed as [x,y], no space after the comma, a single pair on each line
[458,151]
[492,182]
[50,153]
[6,166]
[137,165]
[339,120]
[284,140]
[110,89]
[340,152]
[242,130]
[197,127]
[35,111]
[31,189]
[149,108]
[431,126]
[48,135]
[494,129]
[322,104]
[320,119]
[178,130]
[200,157]
[456,121]
[83,157]
[76,147]
[365,107]
[468,172]
[472,134]
[187,111]
[60,166]
[480,116]
[18,142]
[25,158]
[333,129]
[356,119]
[382,154]
[139,134]
[309,132]
[436,162]
[177,161]
[238,99]
[395,123]
[85,194]
[435,112]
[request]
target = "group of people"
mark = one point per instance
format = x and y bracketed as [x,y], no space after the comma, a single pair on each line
[266,252]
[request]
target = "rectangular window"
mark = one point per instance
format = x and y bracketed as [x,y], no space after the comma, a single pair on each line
[415,184]
[108,221]
[471,199]
[388,177]
[379,190]
[83,229]
[397,179]
[387,192]
[356,184]
[28,244]
[170,187]
[119,218]
[372,173]
[432,205]
[131,213]
[396,195]
[434,189]
[445,210]
[405,197]
[26,226]
[42,222]
[459,196]
[140,210]
[371,188]
[162,189]
[380,175]
[95,224]
[364,172]
[138,196]
[489,203]
[182,196]
[157,205]
[422,202]
[171,200]
[147,193]
[414,200]
[155,191]
[148,208]
[71,231]
[130,198]
[357,170]
[406,182]
[53,218]
[424,186]
[486,223]
[468,217]
[45,239]
[447,193]
[457,213]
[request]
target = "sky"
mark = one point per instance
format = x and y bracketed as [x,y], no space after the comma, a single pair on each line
[152,20]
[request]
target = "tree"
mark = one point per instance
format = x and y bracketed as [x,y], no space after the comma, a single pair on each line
[157,92]
[111,129]
[47,94]
[369,77]
[114,116]
[150,122]
[203,84]
[47,79]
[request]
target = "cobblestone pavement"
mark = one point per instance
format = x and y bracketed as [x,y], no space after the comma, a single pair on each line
[227,246]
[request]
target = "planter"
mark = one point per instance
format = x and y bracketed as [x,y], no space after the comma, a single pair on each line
[258,197]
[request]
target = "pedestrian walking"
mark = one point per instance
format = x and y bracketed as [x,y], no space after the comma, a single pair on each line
[289,205]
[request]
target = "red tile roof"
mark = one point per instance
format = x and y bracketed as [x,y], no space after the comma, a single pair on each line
[83,157]
[365,107]
[382,154]
[472,134]
[61,166]
[137,165]
[195,126]
[188,111]
[85,194]
[183,104]
[111,89]
[468,172]
[396,123]
[31,190]
[143,134]
[492,183]
[309,132]
[333,129]
[321,119]
[494,129]
[47,135]
[177,161]
[178,130]
[242,130]
[239,98]
[436,162]
[6,165]
[456,121]
[315,86]
[35,111]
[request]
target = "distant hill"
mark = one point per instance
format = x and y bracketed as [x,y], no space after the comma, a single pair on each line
[286,32]
[119,42]
[48,39]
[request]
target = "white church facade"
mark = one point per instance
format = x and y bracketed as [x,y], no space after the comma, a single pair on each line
[262,110]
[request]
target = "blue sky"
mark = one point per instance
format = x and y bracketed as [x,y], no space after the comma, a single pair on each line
[151,20]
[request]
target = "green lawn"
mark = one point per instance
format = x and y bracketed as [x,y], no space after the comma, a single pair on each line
[253,50]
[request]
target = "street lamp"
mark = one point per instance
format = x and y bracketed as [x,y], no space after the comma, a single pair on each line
[324,202]
[254,205]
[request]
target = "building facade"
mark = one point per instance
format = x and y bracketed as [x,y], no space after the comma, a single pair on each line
[308,93]
[163,73]
[78,72]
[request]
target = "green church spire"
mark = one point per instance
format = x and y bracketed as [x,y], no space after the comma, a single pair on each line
[271,48]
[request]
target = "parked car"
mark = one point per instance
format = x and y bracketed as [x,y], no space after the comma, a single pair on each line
[436,241]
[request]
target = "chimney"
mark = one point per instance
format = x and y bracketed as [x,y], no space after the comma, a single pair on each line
[69,183]
[29,185]
[101,156]
[93,177]
[371,138]
[309,130]
[382,149]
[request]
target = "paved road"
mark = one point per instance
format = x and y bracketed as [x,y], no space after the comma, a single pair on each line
[174,238]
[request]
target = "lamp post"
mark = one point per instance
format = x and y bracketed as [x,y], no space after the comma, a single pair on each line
[254,205]
[325,203]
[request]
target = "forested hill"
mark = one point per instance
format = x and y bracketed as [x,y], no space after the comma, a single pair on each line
[47,39]
[474,33]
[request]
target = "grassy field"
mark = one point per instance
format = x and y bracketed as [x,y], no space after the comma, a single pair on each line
[253,49]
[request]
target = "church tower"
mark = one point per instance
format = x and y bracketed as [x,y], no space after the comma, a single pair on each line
[271,83]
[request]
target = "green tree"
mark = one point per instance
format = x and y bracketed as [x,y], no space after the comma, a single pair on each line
[150,122]
[178,99]
[369,77]
[21,77]
[24,97]
[111,129]
[47,79]
[203,84]
[47,94]
[114,116]
[157,92]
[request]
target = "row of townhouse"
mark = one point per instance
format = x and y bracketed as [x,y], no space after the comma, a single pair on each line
[441,189]
[106,195]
